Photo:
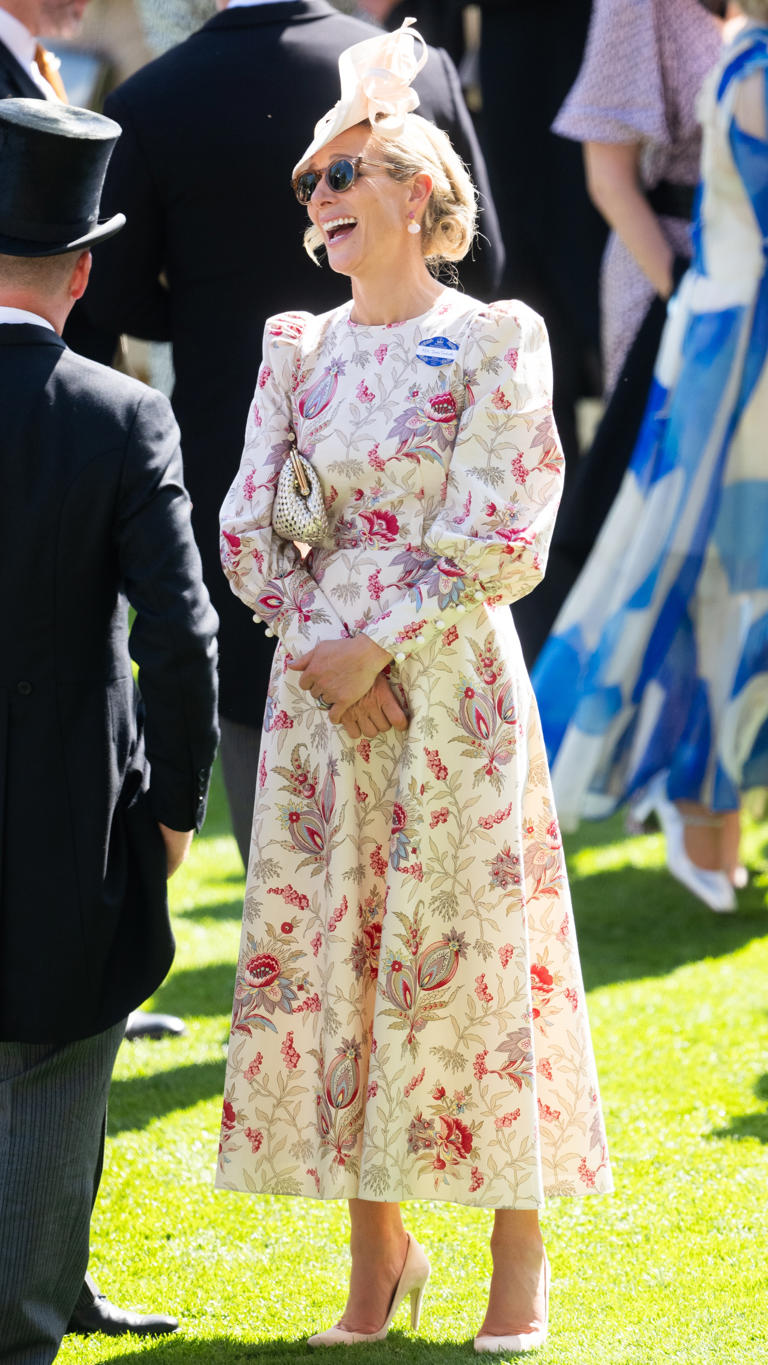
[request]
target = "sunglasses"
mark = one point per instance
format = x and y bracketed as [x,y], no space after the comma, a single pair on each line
[339,176]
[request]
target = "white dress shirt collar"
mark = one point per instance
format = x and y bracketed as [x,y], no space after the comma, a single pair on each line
[22,44]
[20,315]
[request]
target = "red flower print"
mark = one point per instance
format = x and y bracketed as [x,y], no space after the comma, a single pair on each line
[481,990]
[450,635]
[435,764]
[281,721]
[478,1066]
[249,488]
[228,1116]
[476,1180]
[286,927]
[309,1006]
[265,374]
[511,357]
[414,870]
[572,998]
[506,953]
[519,471]
[289,1054]
[262,970]
[546,1114]
[500,400]
[378,865]
[290,896]
[364,393]
[455,1138]
[315,1177]
[233,541]
[442,407]
[415,1080]
[545,1069]
[255,1137]
[372,1091]
[410,631]
[381,525]
[253,1068]
[263,770]
[338,915]
[542,983]
[315,942]
[507,1120]
[438,817]
[587,1175]
[380,352]
[399,817]
[438,1093]
[375,585]
[364,749]
[374,458]
[360,795]
[256,415]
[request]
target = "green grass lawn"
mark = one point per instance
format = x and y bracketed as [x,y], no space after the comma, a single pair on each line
[672,1267]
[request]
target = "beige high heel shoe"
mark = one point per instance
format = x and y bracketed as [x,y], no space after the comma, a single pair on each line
[413,1279]
[520,1342]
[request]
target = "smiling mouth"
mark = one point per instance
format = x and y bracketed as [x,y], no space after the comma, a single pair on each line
[338,229]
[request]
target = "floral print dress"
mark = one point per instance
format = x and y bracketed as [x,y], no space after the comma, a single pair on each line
[409,1017]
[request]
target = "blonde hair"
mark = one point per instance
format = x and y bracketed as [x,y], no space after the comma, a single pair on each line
[449,223]
[756,9]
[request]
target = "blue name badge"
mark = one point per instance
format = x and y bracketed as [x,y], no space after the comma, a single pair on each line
[437,351]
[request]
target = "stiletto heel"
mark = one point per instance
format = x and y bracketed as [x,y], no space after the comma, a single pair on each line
[413,1279]
[520,1342]
[713,888]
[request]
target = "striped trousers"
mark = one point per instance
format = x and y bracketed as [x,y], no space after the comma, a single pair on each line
[53,1100]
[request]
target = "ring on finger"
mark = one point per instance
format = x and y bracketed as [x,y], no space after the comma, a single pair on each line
[323,704]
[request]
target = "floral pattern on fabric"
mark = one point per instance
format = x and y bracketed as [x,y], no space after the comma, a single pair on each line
[409,1016]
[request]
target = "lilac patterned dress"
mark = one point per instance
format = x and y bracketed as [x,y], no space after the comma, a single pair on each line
[644,64]
[409,1016]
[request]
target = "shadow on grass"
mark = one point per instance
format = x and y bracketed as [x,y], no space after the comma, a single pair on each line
[228,910]
[197,991]
[748,1125]
[636,922]
[180,1351]
[136,1100]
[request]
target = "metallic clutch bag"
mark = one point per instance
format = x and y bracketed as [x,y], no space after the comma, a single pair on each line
[299,511]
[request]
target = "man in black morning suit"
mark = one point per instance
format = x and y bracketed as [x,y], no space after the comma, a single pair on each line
[99,794]
[213,247]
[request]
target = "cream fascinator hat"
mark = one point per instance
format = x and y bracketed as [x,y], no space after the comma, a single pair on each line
[376,80]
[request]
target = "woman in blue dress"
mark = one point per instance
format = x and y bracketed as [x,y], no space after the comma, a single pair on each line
[654,684]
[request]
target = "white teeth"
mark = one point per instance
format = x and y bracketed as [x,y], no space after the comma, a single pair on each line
[339,222]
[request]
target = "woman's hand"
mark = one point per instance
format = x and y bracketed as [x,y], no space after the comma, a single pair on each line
[341,671]
[377,711]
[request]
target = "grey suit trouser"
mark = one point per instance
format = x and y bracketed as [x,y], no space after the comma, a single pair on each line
[53,1100]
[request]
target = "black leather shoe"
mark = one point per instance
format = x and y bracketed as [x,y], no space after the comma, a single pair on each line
[142,1024]
[106,1317]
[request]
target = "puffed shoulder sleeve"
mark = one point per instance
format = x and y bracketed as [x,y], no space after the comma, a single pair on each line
[490,538]
[618,95]
[268,573]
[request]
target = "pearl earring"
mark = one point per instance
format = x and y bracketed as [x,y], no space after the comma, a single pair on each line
[413,226]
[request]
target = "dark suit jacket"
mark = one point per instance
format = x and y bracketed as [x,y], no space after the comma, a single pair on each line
[14,81]
[92,506]
[211,131]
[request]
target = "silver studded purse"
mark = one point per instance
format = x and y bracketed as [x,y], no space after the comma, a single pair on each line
[298,512]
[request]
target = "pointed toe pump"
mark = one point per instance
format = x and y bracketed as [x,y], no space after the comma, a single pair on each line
[517,1343]
[715,889]
[413,1279]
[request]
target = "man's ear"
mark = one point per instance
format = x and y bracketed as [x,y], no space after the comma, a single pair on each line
[80,276]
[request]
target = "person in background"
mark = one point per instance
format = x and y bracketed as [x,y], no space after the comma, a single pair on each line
[653,686]
[409,1018]
[208,253]
[633,107]
[93,516]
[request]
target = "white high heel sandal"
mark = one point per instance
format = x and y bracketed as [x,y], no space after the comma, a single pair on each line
[518,1343]
[413,1279]
[713,888]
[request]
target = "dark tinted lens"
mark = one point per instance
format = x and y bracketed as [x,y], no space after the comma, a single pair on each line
[340,175]
[305,185]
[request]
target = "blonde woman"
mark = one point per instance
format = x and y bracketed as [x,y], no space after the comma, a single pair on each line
[409,1017]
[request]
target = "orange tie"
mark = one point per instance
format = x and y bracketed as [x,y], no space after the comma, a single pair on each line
[46,65]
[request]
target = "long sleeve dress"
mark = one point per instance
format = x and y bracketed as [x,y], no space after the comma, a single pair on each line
[409,1017]
[658,662]
[644,64]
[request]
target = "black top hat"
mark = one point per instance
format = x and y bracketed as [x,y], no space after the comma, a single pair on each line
[53,160]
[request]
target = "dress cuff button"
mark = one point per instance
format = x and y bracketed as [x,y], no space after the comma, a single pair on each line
[269,632]
[400,657]
[440,625]
[460,606]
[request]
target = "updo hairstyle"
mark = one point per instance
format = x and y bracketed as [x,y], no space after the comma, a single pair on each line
[449,222]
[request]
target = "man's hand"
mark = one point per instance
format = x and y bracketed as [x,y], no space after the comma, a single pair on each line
[177,845]
[341,671]
[377,711]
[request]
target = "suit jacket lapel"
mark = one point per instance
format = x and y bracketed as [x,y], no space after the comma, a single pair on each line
[28,334]
[14,80]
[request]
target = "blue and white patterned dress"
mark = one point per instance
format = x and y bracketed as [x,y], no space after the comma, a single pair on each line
[659,658]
